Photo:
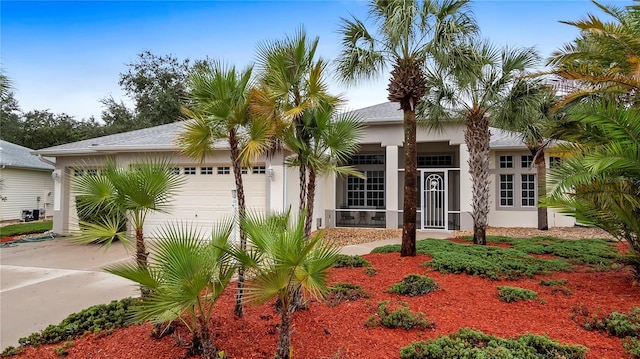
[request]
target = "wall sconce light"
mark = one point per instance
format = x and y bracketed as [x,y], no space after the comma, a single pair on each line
[234,193]
[270,172]
[55,176]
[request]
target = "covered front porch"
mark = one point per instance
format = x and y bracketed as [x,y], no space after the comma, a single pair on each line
[377,200]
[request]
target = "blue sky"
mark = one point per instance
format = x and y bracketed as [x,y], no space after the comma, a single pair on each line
[67,55]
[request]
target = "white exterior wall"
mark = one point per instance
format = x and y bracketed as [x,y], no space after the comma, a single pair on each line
[21,189]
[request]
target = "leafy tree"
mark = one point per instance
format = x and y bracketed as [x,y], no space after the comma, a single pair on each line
[284,260]
[40,129]
[158,86]
[219,110]
[605,58]
[407,33]
[599,181]
[331,138]
[10,125]
[135,191]
[469,86]
[529,111]
[117,117]
[186,275]
[291,87]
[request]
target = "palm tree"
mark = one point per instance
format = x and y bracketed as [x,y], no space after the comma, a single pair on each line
[605,58]
[407,33]
[332,138]
[284,261]
[133,193]
[529,111]
[186,276]
[469,86]
[219,110]
[599,181]
[292,83]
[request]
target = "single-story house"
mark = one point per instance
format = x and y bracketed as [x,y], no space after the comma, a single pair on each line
[26,186]
[444,187]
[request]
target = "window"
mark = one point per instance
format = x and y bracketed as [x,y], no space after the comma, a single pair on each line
[528,190]
[555,162]
[506,190]
[189,170]
[506,161]
[175,170]
[78,172]
[435,161]
[92,172]
[369,192]
[245,170]
[206,170]
[223,170]
[259,170]
[366,160]
[526,161]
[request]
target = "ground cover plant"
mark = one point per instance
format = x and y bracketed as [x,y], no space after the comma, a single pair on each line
[25,228]
[344,260]
[414,284]
[621,325]
[325,331]
[399,318]
[513,294]
[340,292]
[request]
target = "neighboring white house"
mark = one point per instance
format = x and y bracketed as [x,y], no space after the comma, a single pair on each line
[444,187]
[26,185]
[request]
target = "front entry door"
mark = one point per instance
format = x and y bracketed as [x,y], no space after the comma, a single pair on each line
[434,200]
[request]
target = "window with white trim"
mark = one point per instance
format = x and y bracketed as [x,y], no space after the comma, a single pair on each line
[206,170]
[245,170]
[366,193]
[554,162]
[224,170]
[175,170]
[506,161]
[506,190]
[259,170]
[528,193]
[189,170]
[526,161]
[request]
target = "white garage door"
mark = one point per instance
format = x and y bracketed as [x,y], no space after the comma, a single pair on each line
[205,198]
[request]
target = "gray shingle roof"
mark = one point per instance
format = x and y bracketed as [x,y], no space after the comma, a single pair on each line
[162,138]
[16,156]
[158,138]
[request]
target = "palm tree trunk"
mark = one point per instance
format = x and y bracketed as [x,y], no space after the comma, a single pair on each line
[207,348]
[141,257]
[237,173]
[284,341]
[311,192]
[477,137]
[303,188]
[541,173]
[410,182]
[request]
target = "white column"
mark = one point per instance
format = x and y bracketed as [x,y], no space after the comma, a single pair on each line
[391,185]
[466,193]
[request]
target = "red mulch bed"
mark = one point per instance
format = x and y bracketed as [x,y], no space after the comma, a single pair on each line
[339,331]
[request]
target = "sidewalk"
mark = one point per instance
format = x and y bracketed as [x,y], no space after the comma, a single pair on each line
[366,248]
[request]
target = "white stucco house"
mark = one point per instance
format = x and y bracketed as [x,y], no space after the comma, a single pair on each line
[444,187]
[26,185]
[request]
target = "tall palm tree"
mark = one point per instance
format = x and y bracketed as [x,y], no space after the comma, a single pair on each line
[605,58]
[292,83]
[599,181]
[407,33]
[530,111]
[468,87]
[219,110]
[133,192]
[186,275]
[332,138]
[284,261]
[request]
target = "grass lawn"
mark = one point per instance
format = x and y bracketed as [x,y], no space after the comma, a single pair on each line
[25,228]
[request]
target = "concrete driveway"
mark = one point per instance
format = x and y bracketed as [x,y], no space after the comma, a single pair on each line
[42,283]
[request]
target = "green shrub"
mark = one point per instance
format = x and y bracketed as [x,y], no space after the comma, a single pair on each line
[616,324]
[26,228]
[345,291]
[553,282]
[91,320]
[486,261]
[413,285]
[401,317]
[345,260]
[370,271]
[62,350]
[514,294]
[632,345]
[11,351]
[473,344]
